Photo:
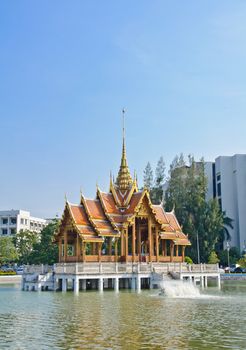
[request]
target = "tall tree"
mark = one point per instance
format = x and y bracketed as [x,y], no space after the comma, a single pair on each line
[8,252]
[202,220]
[148,176]
[157,192]
[24,241]
[45,251]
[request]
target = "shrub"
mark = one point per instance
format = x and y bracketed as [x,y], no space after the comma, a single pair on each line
[188,260]
[213,258]
[7,273]
[242,261]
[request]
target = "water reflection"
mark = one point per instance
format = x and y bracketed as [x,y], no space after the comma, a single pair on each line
[127,320]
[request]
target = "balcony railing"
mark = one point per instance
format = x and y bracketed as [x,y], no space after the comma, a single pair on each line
[111,268]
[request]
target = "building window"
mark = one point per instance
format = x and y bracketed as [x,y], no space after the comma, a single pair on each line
[12,231]
[4,221]
[218,177]
[26,221]
[22,221]
[219,189]
[13,221]
[4,231]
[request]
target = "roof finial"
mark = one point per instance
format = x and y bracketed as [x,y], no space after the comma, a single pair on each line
[123,122]
[123,134]
[124,179]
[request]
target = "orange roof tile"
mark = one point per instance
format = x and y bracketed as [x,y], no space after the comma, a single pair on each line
[134,202]
[173,221]
[95,209]
[160,214]
[184,241]
[79,214]
[84,229]
[109,203]
[98,217]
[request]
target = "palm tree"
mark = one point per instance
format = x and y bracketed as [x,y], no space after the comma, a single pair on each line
[224,233]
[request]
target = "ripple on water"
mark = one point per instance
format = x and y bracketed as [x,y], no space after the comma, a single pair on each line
[120,321]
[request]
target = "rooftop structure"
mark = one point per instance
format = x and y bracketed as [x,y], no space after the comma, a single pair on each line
[120,225]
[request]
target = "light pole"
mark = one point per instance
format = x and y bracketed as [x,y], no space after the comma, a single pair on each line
[228,255]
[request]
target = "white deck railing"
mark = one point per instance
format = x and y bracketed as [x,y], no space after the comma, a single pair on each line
[109,268]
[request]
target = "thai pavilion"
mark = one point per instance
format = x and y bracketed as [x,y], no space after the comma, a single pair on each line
[121,225]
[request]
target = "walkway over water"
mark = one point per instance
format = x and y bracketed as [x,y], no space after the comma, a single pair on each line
[82,276]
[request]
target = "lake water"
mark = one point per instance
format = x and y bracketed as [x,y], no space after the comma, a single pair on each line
[124,320]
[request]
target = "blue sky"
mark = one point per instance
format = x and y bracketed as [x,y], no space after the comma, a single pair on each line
[68,67]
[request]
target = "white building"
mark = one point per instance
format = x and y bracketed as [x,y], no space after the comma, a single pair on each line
[227,182]
[230,178]
[12,221]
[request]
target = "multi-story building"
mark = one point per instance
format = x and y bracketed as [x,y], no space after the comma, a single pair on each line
[227,182]
[230,180]
[12,221]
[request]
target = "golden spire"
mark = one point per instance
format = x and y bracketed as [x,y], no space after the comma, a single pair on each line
[124,179]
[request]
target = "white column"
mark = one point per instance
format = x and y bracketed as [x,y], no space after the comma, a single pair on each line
[84,284]
[100,284]
[116,284]
[138,283]
[133,283]
[202,281]
[219,285]
[76,285]
[64,284]
[206,281]
[56,283]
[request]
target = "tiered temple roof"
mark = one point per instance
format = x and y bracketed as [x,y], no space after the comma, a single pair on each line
[110,212]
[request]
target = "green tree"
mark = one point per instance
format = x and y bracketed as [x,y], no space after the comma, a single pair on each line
[157,191]
[46,251]
[234,256]
[24,241]
[213,258]
[242,261]
[202,220]
[8,251]
[148,176]
[224,233]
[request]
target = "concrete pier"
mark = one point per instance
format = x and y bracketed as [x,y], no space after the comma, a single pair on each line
[116,284]
[102,276]
[100,284]
[64,284]
[76,285]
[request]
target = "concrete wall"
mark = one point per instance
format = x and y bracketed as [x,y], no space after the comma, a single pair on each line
[232,171]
